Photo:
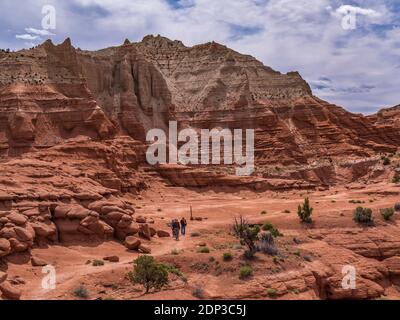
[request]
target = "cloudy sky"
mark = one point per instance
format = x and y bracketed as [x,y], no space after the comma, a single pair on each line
[347,50]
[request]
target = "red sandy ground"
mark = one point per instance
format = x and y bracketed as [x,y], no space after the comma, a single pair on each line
[332,210]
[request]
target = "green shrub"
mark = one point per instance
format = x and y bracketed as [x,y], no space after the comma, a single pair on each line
[248,255]
[203,250]
[247,234]
[81,292]
[297,253]
[227,256]
[305,211]
[272,293]
[274,231]
[363,215]
[386,161]
[387,213]
[245,272]
[97,263]
[149,273]
[170,268]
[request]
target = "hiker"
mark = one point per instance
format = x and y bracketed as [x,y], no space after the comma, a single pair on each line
[175,229]
[183,226]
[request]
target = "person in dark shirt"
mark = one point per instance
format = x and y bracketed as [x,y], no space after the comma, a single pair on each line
[175,228]
[183,226]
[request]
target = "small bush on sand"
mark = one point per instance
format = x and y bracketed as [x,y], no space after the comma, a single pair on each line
[274,231]
[272,293]
[171,268]
[247,234]
[204,250]
[305,211]
[248,255]
[245,272]
[267,244]
[263,212]
[198,293]
[227,256]
[81,292]
[97,263]
[149,273]
[363,215]
[387,213]
[386,161]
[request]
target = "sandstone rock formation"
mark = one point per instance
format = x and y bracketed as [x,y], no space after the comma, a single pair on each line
[72,148]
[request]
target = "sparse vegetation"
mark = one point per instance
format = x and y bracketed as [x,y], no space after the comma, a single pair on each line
[267,243]
[272,293]
[204,250]
[247,234]
[170,268]
[274,231]
[397,207]
[386,161]
[198,292]
[305,211]
[363,215]
[263,212]
[227,256]
[248,255]
[387,213]
[200,266]
[81,292]
[97,263]
[245,272]
[149,273]
[286,211]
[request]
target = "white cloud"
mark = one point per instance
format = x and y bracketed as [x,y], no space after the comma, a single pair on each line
[26,37]
[39,32]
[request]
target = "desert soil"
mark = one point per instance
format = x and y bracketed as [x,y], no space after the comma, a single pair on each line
[301,248]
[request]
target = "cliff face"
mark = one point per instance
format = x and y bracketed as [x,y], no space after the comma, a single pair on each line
[53,93]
